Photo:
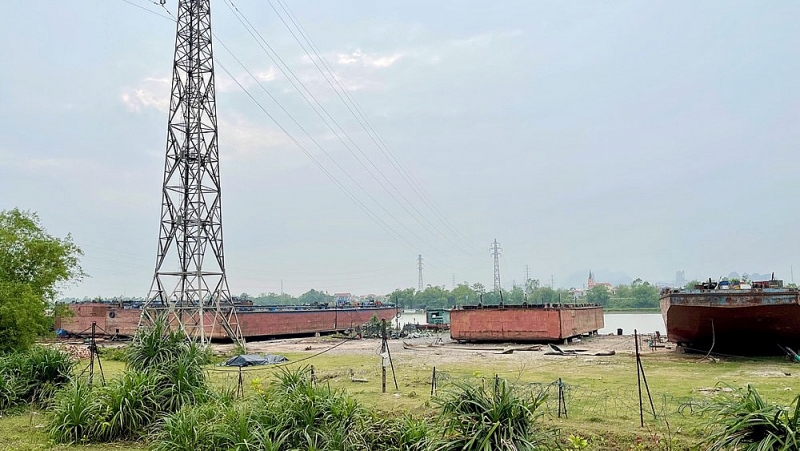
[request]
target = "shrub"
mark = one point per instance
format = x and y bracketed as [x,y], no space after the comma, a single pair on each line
[164,375]
[129,404]
[75,415]
[743,421]
[155,345]
[120,354]
[475,417]
[33,376]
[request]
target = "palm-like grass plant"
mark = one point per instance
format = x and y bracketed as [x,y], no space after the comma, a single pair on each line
[75,415]
[744,421]
[164,375]
[495,418]
[33,376]
[129,403]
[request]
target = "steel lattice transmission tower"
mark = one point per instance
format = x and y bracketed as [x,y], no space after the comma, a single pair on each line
[189,287]
[419,266]
[495,250]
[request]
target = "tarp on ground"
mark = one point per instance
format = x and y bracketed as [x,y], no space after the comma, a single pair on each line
[255,359]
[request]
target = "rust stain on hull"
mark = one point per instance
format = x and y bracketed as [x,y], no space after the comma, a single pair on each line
[524,323]
[739,322]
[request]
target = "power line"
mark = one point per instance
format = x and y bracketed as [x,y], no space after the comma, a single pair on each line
[383,146]
[366,124]
[419,266]
[295,81]
[385,226]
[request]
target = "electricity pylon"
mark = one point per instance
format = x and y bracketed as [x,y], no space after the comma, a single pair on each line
[189,290]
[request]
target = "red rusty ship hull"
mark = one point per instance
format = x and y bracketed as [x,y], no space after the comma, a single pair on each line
[524,323]
[255,322]
[753,321]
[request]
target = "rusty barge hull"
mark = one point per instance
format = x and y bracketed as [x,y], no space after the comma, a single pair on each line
[518,323]
[255,322]
[753,321]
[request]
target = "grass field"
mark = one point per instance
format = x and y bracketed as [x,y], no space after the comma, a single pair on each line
[601,392]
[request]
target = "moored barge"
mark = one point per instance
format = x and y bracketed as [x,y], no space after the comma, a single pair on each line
[524,323]
[121,320]
[757,318]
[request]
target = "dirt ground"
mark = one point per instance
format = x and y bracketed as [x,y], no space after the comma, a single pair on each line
[439,348]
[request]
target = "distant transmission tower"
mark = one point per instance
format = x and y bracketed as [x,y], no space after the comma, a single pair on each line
[419,266]
[495,251]
[188,289]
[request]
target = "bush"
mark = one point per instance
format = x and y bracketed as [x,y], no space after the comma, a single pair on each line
[129,406]
[119,354]
[76,414]
[744,421]
[164,375]
[33,376]
[475,417]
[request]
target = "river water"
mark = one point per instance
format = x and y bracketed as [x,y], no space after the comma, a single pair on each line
[643,322]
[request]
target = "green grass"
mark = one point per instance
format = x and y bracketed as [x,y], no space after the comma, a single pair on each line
[601,391]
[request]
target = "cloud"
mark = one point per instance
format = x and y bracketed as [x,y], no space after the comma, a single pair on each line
[227,84]
[358,57]
[148,93]
[154,92]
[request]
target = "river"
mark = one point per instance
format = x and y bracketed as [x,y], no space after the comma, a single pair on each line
[643,322]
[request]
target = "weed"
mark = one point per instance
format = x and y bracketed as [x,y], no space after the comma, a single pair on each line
[744,421]
[75,415]
[479,418]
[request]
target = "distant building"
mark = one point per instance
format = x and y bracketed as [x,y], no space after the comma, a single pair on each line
[591,283]
[342,298]
[680,279]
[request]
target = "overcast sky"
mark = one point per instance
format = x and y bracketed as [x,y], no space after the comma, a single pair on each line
[630,138]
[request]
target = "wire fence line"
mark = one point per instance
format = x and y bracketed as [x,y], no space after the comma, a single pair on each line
[580,401]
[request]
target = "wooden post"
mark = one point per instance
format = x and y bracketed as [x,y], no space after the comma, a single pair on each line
[433,382]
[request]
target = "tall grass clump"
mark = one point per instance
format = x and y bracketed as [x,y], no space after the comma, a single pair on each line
[400,433]
[33,376]
[292,413]
[297,412]
[477,417]
[164,374]
[744,421]
[76,414]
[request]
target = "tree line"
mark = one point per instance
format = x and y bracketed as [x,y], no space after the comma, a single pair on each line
[639,294]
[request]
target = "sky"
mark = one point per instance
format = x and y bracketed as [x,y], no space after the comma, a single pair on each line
[634,139]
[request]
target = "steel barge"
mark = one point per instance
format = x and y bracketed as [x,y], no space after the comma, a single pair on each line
[742,318]
[120,320]
[524,323]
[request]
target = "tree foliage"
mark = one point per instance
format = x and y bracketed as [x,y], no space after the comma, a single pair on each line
[33,266]
[598,294]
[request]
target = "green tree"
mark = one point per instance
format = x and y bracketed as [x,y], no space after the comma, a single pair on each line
[274,299]
[644,294]
[515,296]
[432,297]
[34,265]
[402,298]
[690,284]
[462,294]
[531,285]
[313,296]
[598,295]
